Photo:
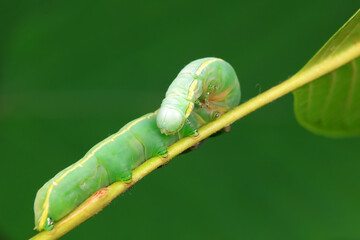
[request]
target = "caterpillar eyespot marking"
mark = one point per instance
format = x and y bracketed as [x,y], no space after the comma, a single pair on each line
[187,106]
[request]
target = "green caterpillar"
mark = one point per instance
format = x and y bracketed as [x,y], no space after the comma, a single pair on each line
[202,91]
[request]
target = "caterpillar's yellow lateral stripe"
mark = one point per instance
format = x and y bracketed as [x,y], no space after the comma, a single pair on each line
[54,183]
[190,96]
[189,109]
[204,65]
[192,89]
[193,85]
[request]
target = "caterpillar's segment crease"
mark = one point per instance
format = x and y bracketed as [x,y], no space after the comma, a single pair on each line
[203,90]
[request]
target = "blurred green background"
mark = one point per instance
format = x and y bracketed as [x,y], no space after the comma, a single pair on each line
[74,72]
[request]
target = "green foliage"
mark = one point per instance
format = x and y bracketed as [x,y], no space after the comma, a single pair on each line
[330,104]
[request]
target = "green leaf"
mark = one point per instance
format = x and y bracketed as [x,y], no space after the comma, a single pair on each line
[330,104]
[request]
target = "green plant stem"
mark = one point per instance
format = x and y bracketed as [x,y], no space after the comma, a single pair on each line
[104,196]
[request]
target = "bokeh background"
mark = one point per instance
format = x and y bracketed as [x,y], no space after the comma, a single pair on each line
[74,72]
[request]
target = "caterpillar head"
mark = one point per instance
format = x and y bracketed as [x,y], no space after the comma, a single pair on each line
[170,120]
